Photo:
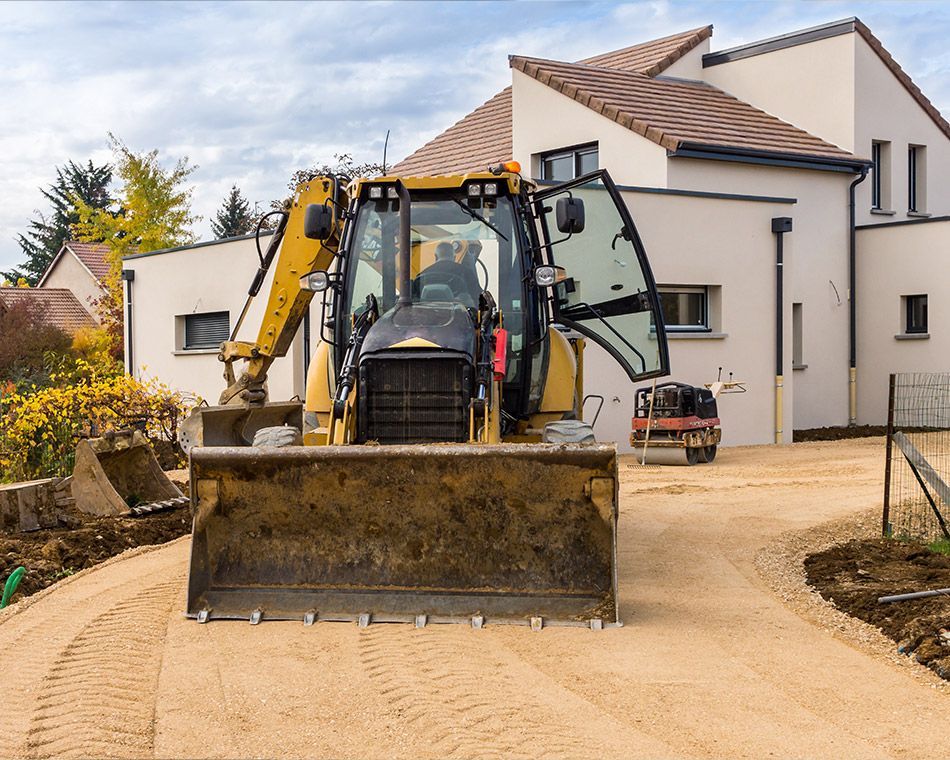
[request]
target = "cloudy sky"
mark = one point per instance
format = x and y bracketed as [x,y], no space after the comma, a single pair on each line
[251,92]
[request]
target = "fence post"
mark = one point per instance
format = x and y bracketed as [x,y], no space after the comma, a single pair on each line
[886,515]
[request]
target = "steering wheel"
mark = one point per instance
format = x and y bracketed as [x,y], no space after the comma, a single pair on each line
[456,283]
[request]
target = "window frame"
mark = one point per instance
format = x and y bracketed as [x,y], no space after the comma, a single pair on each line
[910,327]
[876,180]
[703,290]
[574,151]
[206,346]
[912,178]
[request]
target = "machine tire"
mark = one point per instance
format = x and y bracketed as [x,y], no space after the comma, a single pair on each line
[693,455]
[709,453]
[568,431]
[277,437]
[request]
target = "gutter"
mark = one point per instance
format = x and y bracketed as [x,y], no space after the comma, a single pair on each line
[852,307]
[769,158]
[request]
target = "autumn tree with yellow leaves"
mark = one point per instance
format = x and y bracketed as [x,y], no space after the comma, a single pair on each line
[152,210]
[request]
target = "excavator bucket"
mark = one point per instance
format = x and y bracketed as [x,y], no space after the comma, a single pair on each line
[520,533]
[118,473]
[236,425]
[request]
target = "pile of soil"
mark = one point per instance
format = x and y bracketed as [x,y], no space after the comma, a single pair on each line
[853,575]
[838,433]
[53,554]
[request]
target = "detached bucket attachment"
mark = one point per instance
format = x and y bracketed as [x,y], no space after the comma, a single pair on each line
[118,472]
[518,533]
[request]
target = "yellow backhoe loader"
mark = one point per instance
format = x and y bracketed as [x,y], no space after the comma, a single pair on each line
[439,469]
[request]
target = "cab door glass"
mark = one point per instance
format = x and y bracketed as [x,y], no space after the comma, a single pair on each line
[606,289]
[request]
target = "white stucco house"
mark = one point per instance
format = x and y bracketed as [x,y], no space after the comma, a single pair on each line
[816,141]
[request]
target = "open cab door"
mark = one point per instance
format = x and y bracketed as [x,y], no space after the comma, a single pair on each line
[605,288]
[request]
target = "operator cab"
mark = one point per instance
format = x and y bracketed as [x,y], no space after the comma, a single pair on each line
[480,244]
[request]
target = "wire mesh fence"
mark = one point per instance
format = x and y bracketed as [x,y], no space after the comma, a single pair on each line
[917,474]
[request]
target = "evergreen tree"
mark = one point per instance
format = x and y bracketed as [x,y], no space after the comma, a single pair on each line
[234,218]
[88,184]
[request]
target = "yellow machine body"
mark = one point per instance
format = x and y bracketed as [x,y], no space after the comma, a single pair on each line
[489,525]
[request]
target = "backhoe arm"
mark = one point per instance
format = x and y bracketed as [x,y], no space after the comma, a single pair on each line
[287,302]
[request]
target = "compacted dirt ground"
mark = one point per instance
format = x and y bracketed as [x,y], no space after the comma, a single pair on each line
[855,574]
[724,652]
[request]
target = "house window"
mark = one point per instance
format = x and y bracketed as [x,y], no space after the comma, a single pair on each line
[685,308]
[798,354]
[916,178]
[880,175]
[915,314]
[206,330]
[565,164]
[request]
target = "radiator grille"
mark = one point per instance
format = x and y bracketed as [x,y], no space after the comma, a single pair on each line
[414,400]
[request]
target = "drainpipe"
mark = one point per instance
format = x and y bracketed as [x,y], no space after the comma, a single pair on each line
[780,225]
[853,314]
[129,276]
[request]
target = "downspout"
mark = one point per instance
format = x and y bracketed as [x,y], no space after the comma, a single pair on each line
[129,276]
[780,225]
[853,314]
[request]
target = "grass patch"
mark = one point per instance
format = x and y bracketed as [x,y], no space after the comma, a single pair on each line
[940,547]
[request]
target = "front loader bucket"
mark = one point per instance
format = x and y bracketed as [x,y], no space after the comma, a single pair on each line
[517,533]
[117,472]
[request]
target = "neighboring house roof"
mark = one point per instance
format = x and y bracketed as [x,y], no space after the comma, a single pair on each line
[671,112]
[483,137]
[57,306]
[93,256]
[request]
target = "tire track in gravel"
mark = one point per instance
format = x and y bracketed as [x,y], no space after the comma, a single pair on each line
[98,698]
[35,638]
[465,695]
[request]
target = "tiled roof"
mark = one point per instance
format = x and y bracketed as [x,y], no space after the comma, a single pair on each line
[673,111]
[483,137]
[57,306]
[93,255]
[654,57]
[480,139]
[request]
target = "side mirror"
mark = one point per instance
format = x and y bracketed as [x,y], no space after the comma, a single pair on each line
[569,213]
[317,222]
